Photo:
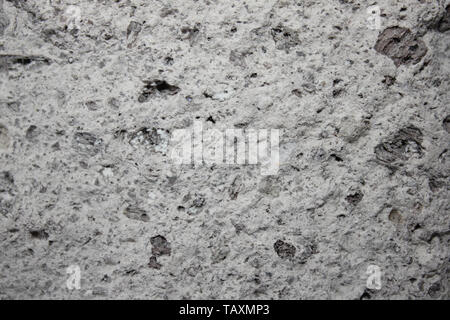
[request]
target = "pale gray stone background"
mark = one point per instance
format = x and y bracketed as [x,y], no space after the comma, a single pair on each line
[88,106]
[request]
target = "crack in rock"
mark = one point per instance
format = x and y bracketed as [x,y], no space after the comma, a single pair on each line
[8,61]
[444,23]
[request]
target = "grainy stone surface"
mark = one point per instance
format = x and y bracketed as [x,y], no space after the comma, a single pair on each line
[88,106]
[401,46]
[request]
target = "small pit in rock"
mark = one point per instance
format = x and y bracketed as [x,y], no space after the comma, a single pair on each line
[395,216]
[157,86]
[160,246]
[153,263]
[354,198]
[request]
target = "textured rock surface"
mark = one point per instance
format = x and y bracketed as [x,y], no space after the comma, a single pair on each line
[401,46]
[88,106]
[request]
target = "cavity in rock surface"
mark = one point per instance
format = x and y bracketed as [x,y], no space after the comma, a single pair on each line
[160,246]
[136,213]
[154,86]
[444,23]
[446,124]
[39,234]
[32,132]
[354,198]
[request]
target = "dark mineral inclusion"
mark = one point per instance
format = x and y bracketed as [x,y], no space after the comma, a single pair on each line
[401,46]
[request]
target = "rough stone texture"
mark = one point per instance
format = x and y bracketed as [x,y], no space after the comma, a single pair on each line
[88,106]
[444,23]
[284,250]
[401,46]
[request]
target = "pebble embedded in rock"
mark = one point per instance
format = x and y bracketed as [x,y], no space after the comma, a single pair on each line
[136,213]
[153,263]
[160,246]
[401,46]
[284,250]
